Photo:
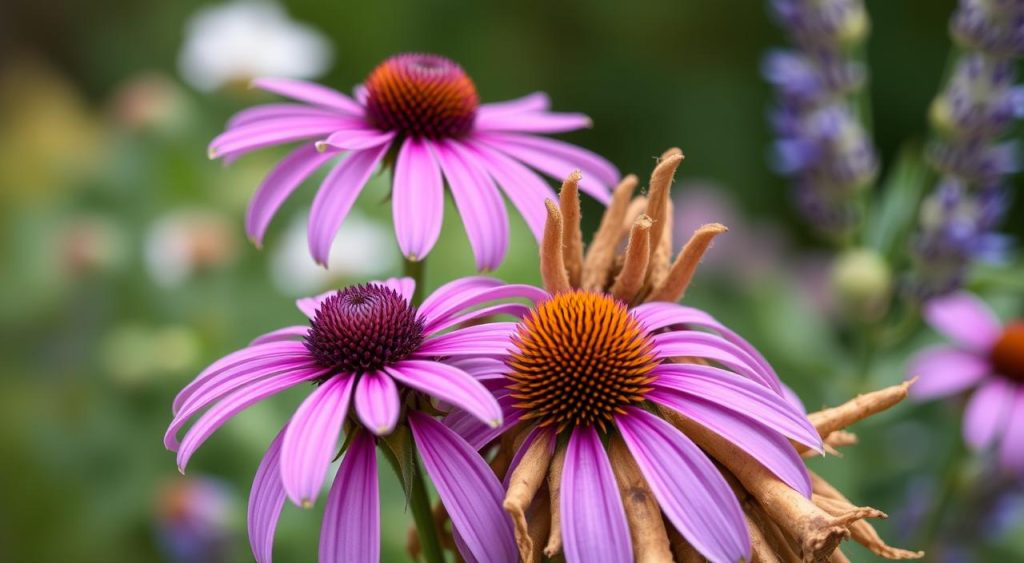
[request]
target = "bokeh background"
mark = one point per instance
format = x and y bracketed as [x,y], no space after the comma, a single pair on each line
[124,267]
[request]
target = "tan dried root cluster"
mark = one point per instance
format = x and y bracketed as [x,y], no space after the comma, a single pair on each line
[784,526]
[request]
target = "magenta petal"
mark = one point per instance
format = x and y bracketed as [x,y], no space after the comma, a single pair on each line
[523,186]
[546,122]
[477,340]
[286,334]
[965,319]
[450,295]
[479,203]
[691,492]
[763,444]
[476,433]
[351,528]
[266,499]
[594,524]
[453,311]
[537,101]
[233,404]
[335,197]
[944,370]
[403,286]
[558,159]
[417,198]
[697,344]
[248,138]
[309,305]
[376,402]
[468,489]
[266,112]
[312,439]
[987,412]
[449,384]
[516,310]
[310,93]
[357,138]
[739,395]
[1011,448]
[278,185]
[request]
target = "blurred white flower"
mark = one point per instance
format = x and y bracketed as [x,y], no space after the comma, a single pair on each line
[182,243]
[362,249]
[237,41]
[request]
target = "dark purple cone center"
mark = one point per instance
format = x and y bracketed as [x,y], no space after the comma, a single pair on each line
[363,328]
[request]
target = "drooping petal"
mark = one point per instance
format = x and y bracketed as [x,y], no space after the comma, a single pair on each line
[377,403]
[533,122]
[266,499]
[690,490]
[657,315]
[451,294]
[987,412]
[286,334]
[248,138]
[312,439]
[468,489]
[478,434]
[357,138]
[351,528]
[479,203]
[965,319]
[523,186]
[763,444]
[1011,447]
[697,344]
[265,112]
[516,310]
[945,370]
[558,159]
[739,395]
[249,355]
[454,311]
[309,92]
[537,101]
[449,384]
[335,197]
[477,340]
[417,198]
[594,524]
[233,404]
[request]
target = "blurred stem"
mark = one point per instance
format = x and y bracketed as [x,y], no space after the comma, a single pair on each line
[416,269]
[419,502]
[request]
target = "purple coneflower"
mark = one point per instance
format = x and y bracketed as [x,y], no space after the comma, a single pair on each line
[421,114]
[369,347]
[593,383]
[986,356]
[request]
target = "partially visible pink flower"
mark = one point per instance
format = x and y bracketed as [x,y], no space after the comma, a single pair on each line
[984,356]
[367,348]
[419,114]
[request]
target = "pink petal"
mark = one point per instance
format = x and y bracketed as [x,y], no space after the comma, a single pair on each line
[286,334]
[516,310]
[987,412]
[312,439]
[477,340]
[336,196]
[265,112]
[309,305]
[479,203]
[523,186]
[476,433]
[944,370]
[965,319]
[739,395]
[266,499]
[310,93]
[403,286]
[691,492]
[697,344]
[248,138]
[537,101]
[449,384]
[594,524]
[1011,448]
[417,199]
[764,444]
[351,528]
[278,185]
[377,403]
[450,295]
[457,309]
[546,122]
[468,489]
[357,138]
[232,405]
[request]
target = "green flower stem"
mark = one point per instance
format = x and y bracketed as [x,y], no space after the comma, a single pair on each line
[419,502]
[416,269]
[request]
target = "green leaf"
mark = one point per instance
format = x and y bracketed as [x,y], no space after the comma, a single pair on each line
[401,453]
[893,217]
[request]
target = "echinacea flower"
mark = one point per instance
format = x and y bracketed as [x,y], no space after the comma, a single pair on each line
[367,350]
[419,114]
[985,356]
[614,391]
